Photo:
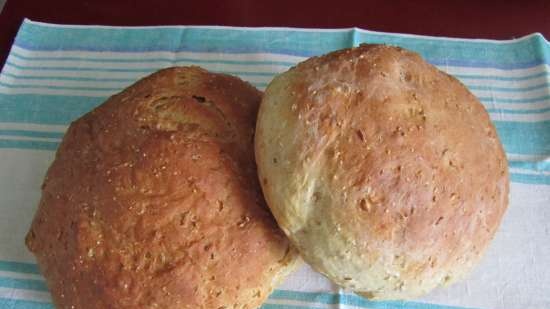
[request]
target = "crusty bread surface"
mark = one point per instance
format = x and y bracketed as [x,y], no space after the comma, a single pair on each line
[386,173]
[153,201]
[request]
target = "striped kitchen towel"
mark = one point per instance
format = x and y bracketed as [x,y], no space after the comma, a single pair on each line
[56,73]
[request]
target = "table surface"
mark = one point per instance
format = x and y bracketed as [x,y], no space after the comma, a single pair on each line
[504,19]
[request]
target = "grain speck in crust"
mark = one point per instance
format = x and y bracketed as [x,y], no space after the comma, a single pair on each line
[389,175]
[153,201]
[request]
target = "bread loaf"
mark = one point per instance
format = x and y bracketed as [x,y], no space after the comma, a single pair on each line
[153,201]
[386,173]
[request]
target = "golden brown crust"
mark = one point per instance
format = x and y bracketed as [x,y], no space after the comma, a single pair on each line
[385,172]
[152,201]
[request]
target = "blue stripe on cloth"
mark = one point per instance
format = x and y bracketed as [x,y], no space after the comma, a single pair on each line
[158,59]
[308,297]
[160,66]
[524,137]
[519,111]
[502,100]
[502,78]
[28,144]
[45,109]
[266,62]
[536,166]
[348,299]
[27,304]
[485,100]
[251,62]
[63,68]
[144,71]
[268,74]
[275,306]
[530,179]
[108,89]
[25,284]
[8,303]
[527,52]
[114,90]
[129,80]
[305,297]
[506,89]
[29,133]
[19,267]
[32,36]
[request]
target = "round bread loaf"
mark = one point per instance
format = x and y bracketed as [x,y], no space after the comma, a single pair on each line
[153,201]
[385,173]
